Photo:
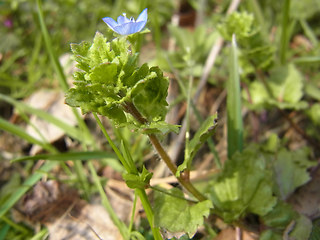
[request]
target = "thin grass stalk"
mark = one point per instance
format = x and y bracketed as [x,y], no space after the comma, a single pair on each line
[234,122]
[284,41]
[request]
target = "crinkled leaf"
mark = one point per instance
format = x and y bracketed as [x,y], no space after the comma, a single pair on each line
[110,77]
[100,51]
[244,186]
[138,181]
[104,73]
[291,170]
[149,95]
[80,52]
[178,215]
[205,131]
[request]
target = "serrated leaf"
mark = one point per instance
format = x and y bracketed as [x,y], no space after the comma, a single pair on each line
[138,181]
[178,215]
[206,130]
[243,186]
[291,170]
[100,51]
[80,52]
[111,78]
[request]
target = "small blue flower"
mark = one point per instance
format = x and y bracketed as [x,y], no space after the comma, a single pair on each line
[126,26]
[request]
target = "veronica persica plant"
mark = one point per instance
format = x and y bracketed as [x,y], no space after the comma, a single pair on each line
[126,26]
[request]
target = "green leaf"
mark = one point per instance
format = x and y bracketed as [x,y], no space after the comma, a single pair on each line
[281,215]
[206,130]
[270,235]
[314,113]
[244,186]
[315,234]
[290,170]
[138,181]
[286,84]
[160,127]
[149,95]
[100,51]
[104,73]
[112,78]
[80,52]
[286,90]
[178,215]
[302,228]
[237,23]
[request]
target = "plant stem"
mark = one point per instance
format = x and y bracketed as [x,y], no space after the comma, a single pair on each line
[165,157]
[148,210]
[130,108]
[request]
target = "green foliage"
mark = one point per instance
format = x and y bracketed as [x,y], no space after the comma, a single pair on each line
[138,181]
[175,214]
[240,24]
[284,89]
[304,9]
[244,186]
[283,220]
[234,116]
[290,170]
[110,81]
[314,113]
[255,52]
[315,234]
[206,130]
[196,44]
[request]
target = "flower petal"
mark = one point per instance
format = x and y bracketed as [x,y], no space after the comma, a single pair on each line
[111,23]
[143,17]
[122,20]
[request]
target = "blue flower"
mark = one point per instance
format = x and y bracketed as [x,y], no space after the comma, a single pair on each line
[126,26]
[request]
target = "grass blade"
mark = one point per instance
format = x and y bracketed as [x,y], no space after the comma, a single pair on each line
[235,124]
[11,128]
[284,31]
[67,156]
[67,128]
